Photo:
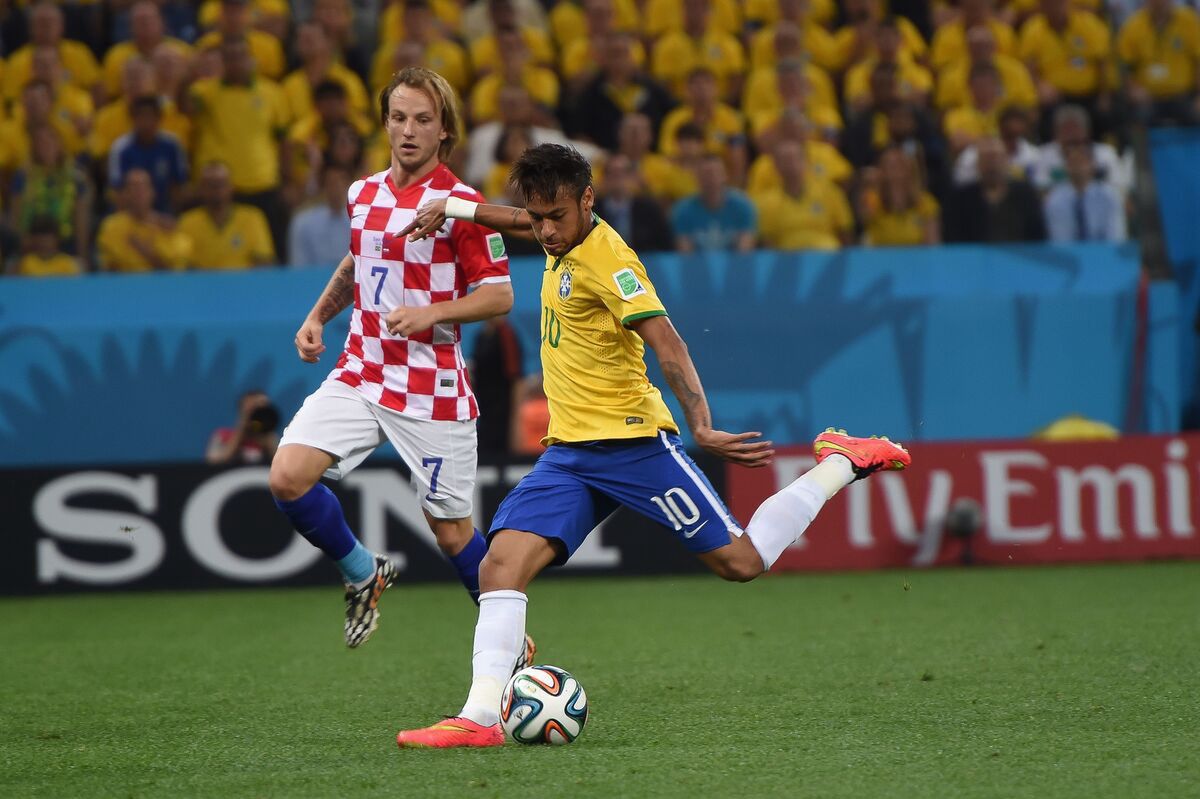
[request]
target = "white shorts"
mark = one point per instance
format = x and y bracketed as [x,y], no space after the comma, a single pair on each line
[440,454]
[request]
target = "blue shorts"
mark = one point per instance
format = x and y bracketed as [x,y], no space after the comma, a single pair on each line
[574,487]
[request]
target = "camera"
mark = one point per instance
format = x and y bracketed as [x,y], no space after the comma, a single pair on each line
[263,419]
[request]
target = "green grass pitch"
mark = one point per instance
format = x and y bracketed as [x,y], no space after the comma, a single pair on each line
[1046,682]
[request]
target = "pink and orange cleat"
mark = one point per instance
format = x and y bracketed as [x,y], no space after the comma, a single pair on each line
[866,455]
[450,734]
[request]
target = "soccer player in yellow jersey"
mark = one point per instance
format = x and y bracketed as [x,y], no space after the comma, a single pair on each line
[612,440]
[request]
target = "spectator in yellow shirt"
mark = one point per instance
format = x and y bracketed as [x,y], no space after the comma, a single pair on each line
[317,65]
[35,113]
[50,184]
[115,119]
[980,118]
[822,158]
[437,52]
[949,46]
[661,17]
[915,82]
[225,234]
[656,174]
[514,140]
[762,93]
[239,119]
[1160,47]
[802,214]
[581,56]
[268,16]
[309,140]
[815,41]
[1016,87]
[699,44]
[485,50]
[895,209]
[136,238]
[235,22]
[572,20]
[46,30]
[516,69]
[43,256]
[147,36]
[393,27]
[855,40]
[724,129]
[790,89]
[1069,55]
[72,105]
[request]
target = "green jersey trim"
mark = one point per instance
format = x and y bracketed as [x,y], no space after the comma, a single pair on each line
[643,315]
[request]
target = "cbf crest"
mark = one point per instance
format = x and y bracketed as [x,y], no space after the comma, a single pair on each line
[564,285]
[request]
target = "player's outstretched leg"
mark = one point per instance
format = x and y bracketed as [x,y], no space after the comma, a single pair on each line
[512,561]
[317,515]
[784,516]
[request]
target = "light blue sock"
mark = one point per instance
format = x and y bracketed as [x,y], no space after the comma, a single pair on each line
[358,566]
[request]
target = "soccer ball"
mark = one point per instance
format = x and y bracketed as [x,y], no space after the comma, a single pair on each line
[543,705]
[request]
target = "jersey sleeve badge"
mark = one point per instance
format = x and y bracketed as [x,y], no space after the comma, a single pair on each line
[628,285]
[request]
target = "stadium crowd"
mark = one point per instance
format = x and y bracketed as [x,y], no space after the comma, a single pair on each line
[158,134]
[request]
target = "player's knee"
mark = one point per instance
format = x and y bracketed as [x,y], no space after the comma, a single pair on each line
[287,482]
[497,572]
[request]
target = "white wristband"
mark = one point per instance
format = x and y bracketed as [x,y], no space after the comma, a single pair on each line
[458,208]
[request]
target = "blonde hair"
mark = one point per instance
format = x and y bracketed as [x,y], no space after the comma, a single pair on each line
[439,91]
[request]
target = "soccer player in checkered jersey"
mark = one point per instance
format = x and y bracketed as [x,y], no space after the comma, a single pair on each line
[612,440]
[401,377]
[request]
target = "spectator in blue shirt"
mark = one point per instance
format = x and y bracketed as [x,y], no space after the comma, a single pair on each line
[718,218]
[320,234]
[1084,208]
[150,148]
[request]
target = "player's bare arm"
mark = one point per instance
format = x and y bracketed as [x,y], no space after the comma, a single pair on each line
[486,301]
[337,297]
[502,218]
[672,353]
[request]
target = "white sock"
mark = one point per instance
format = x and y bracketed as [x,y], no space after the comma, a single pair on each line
[784,516]
[499,636]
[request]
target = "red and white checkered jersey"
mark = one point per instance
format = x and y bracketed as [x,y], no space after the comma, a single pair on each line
[423,375]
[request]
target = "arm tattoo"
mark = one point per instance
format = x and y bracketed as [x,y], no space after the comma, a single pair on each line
[338,294]
[695,407]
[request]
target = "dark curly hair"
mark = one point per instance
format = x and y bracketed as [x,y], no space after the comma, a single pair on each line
[547,169]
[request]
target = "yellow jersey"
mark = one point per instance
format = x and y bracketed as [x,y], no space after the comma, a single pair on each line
[676,54]
[816,220]
[822,159]
[541,83]
[569,24]
[1016,85]
[817,43]
[1163,61]
[664,16]
[242,242]
[912,45]
[766,12]
[914,81]
[949,45]
[441,55]
[298,92]
[485,52]
[902,228]
[116,253]
[967,122]
[79,68]
[1074,61]
[239,125]
[761,93]
[593,365]
[59,264]
[720,130]
[118,54]
[391,21]
[266,49]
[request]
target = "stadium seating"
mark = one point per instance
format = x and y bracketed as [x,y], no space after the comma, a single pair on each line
[895,116]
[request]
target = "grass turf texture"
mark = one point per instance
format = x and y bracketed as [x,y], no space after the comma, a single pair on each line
[1004,682]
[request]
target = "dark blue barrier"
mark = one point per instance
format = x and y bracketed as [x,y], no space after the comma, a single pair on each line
[1175,159]
[939,343]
